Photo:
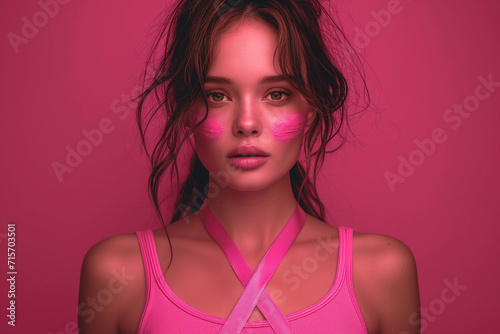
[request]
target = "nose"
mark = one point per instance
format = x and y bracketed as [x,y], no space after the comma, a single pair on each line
[247,120]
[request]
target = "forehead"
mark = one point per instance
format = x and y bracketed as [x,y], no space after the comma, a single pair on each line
[245,51]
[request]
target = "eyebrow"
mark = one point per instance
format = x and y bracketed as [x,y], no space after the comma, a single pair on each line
[264,80]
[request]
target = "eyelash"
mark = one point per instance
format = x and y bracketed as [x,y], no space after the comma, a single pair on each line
[280,90]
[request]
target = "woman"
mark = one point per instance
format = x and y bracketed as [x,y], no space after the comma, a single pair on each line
[247,85]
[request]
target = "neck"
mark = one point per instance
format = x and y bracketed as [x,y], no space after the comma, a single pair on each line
[253,219]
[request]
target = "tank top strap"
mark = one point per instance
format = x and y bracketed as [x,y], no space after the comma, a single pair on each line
[148,252]
[345,254]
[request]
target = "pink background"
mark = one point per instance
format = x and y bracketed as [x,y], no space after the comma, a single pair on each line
[73,73]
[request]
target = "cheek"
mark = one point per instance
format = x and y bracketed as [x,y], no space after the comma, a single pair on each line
[210,128]
[289,127]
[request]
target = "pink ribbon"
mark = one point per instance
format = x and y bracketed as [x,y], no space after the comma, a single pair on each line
[255,293]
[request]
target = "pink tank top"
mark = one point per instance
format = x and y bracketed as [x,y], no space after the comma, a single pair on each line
[164,312]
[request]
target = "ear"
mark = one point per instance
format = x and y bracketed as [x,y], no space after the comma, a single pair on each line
[311,114]
[190,121]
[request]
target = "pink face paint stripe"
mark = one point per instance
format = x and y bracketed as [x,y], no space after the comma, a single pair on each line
[211,128]
[288,128]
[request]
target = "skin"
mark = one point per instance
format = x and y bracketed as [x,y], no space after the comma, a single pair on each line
[253,206]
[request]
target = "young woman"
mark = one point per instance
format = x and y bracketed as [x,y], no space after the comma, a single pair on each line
[251,88]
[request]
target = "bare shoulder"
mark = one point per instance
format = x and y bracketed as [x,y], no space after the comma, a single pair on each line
[116,245]
[385,282]
[385,254]
[117,252]
[112,274]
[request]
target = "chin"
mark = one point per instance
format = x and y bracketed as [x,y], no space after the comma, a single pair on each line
[241,186]
[255,180]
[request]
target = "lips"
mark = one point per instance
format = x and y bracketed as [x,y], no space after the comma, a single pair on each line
[247,151]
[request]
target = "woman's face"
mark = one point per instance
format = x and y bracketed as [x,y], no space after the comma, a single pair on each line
[249,107]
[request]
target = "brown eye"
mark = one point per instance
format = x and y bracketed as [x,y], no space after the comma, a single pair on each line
[216,96]
[277,95]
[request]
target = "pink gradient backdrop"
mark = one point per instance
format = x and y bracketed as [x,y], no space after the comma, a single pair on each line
[72,74]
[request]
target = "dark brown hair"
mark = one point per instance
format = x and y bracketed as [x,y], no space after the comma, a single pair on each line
[185,43]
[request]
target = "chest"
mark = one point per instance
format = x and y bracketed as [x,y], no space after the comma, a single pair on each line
[206,281]
[201,276]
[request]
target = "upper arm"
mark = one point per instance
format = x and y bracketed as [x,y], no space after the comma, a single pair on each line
[107,282]
[397,296]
